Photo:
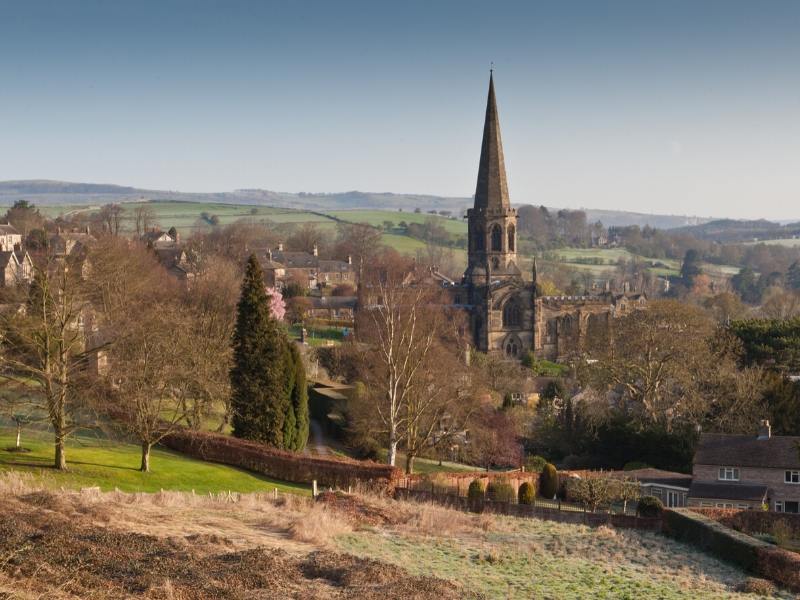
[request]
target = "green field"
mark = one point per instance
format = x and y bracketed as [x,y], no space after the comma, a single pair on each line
[95,462]
[378,217]
[788,242]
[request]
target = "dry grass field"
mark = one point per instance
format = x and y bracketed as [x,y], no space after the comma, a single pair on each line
[173,545]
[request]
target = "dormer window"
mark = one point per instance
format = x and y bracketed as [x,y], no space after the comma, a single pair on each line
[728,474]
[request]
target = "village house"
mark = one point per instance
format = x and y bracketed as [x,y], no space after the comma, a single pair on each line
[307,269]
[10,238]
[335,308]
[70,243]
[747,471]
[156,238]
[669,487]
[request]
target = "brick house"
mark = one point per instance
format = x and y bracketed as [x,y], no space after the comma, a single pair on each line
[747,471]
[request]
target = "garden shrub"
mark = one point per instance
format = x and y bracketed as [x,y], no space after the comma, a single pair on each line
[526,493]
[500,490]
[649,506]
[548,482]
[475,493]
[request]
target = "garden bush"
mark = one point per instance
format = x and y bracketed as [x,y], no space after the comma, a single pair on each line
[526,493]
[649,506]
[475,494]
[548,481]
[500,490]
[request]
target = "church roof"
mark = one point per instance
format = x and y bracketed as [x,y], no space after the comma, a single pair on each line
[492,188]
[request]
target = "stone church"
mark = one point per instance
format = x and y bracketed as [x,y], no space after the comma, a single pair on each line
[506,314]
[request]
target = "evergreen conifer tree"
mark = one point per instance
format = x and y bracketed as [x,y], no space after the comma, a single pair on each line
[259,387]
[299,400]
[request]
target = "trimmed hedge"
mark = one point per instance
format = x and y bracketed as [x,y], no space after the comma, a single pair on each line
[761,558]
[548,481]
[500,490]
[280,464]
[526,493]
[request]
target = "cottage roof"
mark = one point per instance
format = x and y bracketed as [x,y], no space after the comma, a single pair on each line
[296,260]
[728,491]
[776,452]
[6,257]
[658,476]
[8,229]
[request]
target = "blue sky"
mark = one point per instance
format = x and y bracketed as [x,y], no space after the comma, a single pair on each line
[670,107]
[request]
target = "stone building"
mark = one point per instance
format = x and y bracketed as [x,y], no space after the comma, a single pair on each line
[307,269]
[506,314]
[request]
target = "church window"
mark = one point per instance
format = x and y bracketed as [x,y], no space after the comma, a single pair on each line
[512,349]
[512,315]
[495,263]
[511,236]
[497,239]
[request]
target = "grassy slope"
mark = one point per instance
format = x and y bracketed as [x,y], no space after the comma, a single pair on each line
[531,558]
[93,462]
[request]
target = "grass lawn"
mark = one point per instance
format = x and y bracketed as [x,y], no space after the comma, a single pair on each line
[789,242]
[93,462]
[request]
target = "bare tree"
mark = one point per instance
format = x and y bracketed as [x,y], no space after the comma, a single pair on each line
[149,388]
[110,217]
[360,241]
[308,237]
[400,326]
[144,218]
[49,341]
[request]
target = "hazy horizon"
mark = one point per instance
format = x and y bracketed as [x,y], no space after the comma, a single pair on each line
[684,109]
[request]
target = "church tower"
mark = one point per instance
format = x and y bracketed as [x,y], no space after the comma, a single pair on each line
[491,222]
[502,318]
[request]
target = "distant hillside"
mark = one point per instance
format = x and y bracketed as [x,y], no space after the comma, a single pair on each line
[730,230]
[47,193]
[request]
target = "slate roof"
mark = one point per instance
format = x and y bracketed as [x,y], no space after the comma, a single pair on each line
[303,260]
[657,476]
[5,258]
[8,229]
[728,491]
[776,452]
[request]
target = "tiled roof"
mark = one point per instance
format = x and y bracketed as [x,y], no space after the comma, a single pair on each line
[7,229]
[728,491]
[776,452]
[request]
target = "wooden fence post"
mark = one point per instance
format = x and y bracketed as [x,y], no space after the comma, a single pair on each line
[314,489]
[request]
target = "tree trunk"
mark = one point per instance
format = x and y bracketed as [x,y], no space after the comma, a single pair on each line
[19,434]
[392,455]
[61,456]
[145,468]
[410,463]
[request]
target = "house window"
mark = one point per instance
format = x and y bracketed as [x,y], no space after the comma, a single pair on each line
[792,477]
[790,506]
[724,505]
[673,499]
[778,505]
[656,491]
[706,505]
[743,506]
[728,474]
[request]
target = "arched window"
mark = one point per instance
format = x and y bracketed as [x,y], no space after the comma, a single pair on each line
[497,239]
[512,349]
[511,235]
[479,241]
[512,315]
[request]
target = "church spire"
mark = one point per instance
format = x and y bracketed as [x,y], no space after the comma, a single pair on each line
[492,188]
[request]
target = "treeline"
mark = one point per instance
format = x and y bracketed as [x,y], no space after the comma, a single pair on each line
[546,229]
